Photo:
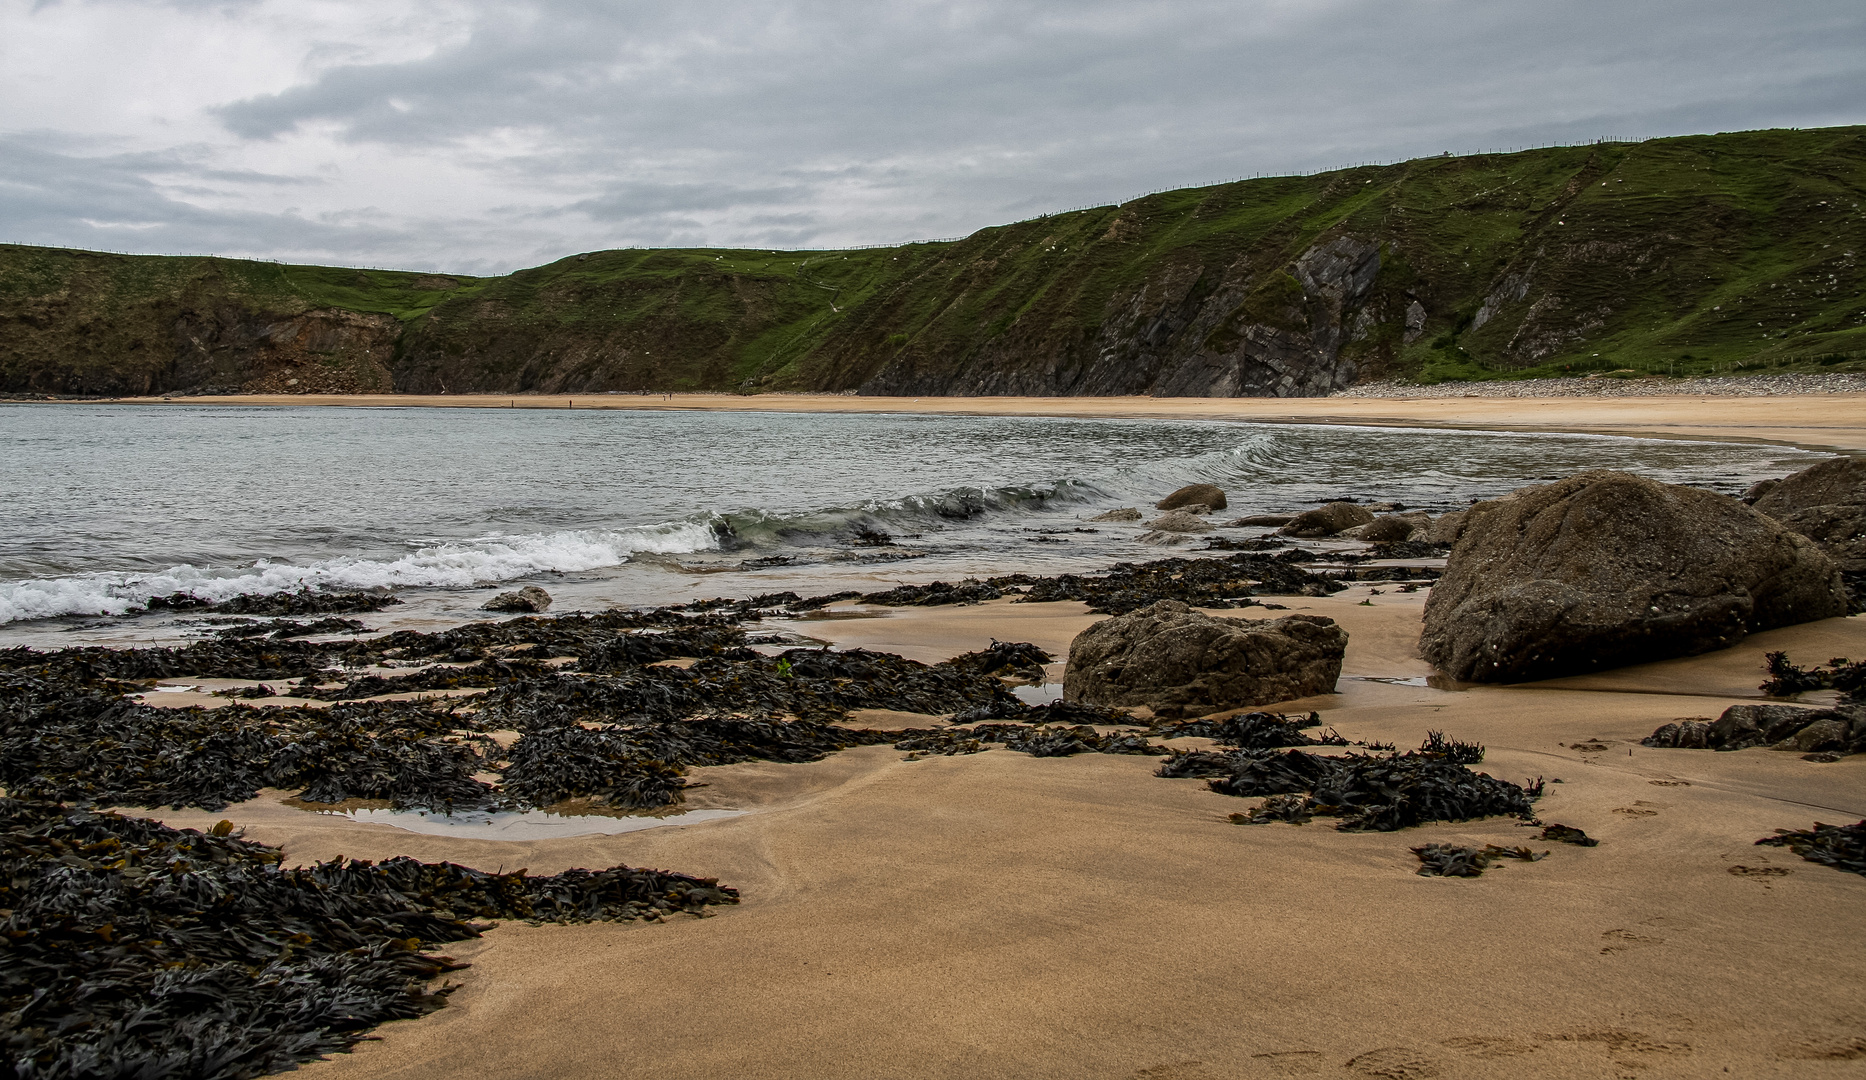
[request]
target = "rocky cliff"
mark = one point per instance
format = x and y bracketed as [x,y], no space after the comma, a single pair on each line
[1674,255]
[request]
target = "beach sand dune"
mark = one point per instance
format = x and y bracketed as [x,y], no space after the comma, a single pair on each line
[1004,915]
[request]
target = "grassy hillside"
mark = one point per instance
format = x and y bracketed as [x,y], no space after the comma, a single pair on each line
[1688,255]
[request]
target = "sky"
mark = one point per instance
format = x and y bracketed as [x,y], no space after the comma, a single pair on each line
[480,136]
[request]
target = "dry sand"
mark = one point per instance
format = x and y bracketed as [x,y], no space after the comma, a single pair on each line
[1000,915]
[1006,916]
[1825,421]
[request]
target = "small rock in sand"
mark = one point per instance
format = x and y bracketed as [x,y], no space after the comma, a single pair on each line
[1125,513]
[1327,520]
[528,599]
[1209,494]
[1179,522]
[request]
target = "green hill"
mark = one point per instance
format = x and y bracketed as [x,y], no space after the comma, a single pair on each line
[1685,255]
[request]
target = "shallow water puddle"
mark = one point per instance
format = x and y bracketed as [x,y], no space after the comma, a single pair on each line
[1039,694]
[529,825]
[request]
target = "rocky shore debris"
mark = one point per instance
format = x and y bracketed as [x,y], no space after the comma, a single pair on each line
[1842,847]
[1456,860]
[1125,513]
[1210,496]
[299,603]
[1391,528]
[134,949]
[1179,662]
[1605,569]
[528,600]
[1822,733]
[1327,520]
[1218,583]
[1179,521]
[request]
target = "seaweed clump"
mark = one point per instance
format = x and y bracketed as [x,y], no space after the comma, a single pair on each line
[134,949]
[1455,860]
[1787,679]
[1252,731]
[1037,741]
[1842,847]
[1368,793]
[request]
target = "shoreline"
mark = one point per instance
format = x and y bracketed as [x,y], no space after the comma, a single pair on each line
[1001,914]
[1829,422]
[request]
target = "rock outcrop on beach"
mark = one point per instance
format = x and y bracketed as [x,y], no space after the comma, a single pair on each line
[1606,569]
[528,599]
[1327,520]
[1779,727]
[1210,496]
[1180,662]
[1827,504]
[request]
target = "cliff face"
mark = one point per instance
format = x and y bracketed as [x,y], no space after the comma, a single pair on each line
[1681,255]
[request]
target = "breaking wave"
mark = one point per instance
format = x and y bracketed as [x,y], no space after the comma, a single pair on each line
[459,564]
[449,564]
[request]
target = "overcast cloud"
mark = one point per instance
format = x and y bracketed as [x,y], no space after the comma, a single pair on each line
[484,135]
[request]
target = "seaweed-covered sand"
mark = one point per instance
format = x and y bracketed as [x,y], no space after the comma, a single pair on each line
[1001,913]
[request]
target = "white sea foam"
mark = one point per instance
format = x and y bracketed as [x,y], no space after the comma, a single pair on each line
[450,564]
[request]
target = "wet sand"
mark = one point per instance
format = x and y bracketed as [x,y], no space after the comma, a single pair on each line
[1000,915]
[1823,421]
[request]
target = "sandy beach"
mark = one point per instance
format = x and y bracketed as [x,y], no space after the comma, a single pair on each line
[1825,421]
[1001,915]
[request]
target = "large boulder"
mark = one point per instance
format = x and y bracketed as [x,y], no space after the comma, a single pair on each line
[1327,520]
[1208,494]
[528,599]
[1605,569]
[1826,504]
[1180,662]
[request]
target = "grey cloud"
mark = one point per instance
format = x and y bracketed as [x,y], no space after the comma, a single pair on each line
[725,122]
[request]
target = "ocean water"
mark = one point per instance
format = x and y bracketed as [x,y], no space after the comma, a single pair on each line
[106,505]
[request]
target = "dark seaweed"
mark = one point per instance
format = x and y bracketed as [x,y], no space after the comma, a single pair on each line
[135,950]
[302,602]
[1842,847]
[1379,794]
[1252,731]
[1014,658]
[1786,679]
[1458,753]
[1453,860]
[1566,834]
[1044,741]
[1207,583]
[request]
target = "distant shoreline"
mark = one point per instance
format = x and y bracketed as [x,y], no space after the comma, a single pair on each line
[1816,421]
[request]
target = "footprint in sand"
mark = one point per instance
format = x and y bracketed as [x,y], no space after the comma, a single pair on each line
[1178,1070]
[1624,940]
[1293,1062]
[1640,808]
[1394,1063]
[1827,1046]
[1486,1046]
[1627,1049]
